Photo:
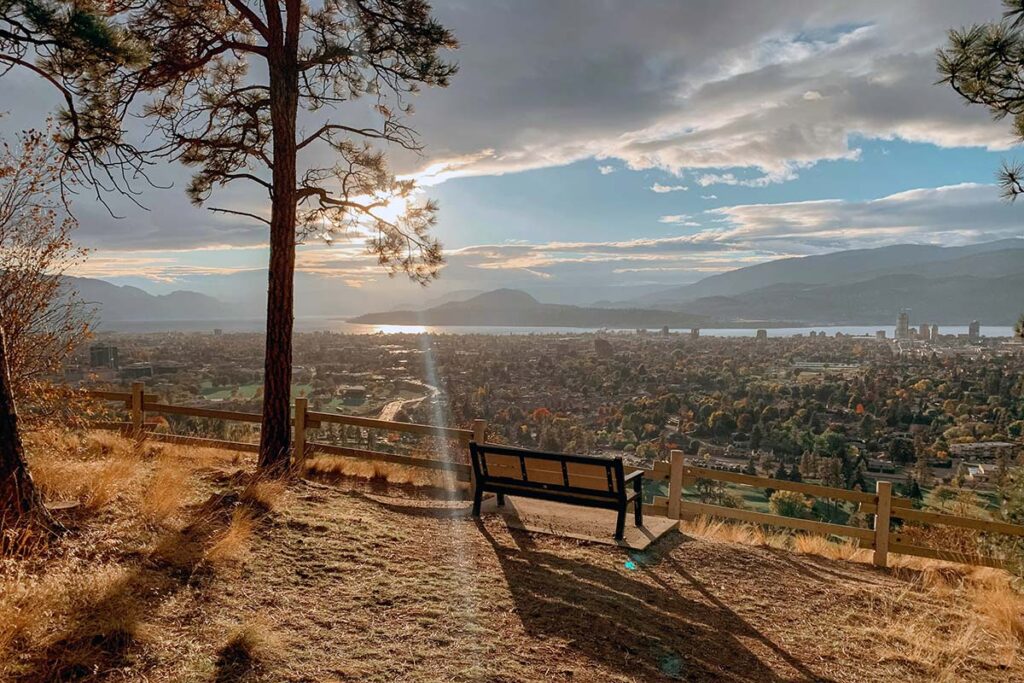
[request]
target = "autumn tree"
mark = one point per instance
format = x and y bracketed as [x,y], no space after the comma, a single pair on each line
[42,318]
[41,322]
[59,42]
[225,87]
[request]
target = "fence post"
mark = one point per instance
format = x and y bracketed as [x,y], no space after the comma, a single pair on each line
[137,410]
[883,512]
[675,485]
[299,455]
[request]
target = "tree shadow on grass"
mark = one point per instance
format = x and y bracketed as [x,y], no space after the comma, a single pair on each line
[100,637]
[648,632]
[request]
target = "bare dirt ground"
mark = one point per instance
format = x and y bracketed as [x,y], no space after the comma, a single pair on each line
[359,586]
[362,581]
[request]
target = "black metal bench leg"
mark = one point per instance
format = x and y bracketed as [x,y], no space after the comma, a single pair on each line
[638,502]
[620,523]
[501,500]
[478,498]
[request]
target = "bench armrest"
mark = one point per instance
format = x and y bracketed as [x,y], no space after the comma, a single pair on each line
[633,475]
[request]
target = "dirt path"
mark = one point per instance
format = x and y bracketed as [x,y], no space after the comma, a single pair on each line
[362,586]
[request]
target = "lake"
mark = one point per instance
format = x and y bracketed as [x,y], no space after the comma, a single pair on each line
[313,324]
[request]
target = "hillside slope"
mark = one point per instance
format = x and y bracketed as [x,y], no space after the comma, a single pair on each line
[179,566]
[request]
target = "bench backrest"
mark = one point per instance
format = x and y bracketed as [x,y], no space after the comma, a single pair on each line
[582,474]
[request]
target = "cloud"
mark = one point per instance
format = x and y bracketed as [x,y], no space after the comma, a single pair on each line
[956,214]
[679,219]
[606,170]
[662,189]
[686,86]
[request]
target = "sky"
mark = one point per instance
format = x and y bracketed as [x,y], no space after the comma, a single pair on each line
[593,149]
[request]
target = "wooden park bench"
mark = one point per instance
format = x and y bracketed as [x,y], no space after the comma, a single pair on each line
[575,479]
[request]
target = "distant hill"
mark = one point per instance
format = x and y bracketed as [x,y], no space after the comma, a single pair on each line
[991,259]
[125,303]
[938,300]
[518,309]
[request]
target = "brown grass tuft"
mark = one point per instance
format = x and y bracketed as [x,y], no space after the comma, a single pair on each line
[264,495]
[392,473]
[247,648]
[232,543]
[166,493]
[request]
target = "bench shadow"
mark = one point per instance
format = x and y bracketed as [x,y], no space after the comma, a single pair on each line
[648,632]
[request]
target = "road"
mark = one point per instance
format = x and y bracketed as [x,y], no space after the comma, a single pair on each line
[391,409]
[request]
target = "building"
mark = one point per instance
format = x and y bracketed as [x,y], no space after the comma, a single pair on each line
[925,332]
[762,334]
[903,325]
[983,450]
[935,332]
[169,367]
[603,348]
[354,395]
[974,331]
[880,335]
[137,371]
[103,356]
[695,332]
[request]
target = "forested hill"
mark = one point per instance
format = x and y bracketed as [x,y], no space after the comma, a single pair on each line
[518,309]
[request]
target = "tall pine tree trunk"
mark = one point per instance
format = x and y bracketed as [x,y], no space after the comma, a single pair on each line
[19,499]
[275,435]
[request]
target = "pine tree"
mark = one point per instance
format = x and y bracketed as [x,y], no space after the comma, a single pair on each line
[224,85]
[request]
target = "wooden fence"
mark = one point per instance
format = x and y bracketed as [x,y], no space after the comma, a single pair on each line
[303,421]
[882,505]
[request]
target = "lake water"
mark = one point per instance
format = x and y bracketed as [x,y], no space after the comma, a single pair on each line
[313,324]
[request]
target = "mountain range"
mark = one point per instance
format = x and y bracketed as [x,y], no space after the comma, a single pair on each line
[941,285]
[115,303]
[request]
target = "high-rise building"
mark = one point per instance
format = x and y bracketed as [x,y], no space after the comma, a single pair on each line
[935,332]
[925,333]
[762,334]
[903,325]
[695,332]
[880,334]
[974,331]
[103,356]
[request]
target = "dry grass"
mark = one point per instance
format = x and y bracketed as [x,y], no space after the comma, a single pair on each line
[331,467]
[232,543]
[264,495]
[166,493]
[934,641]
[249,647]
[74,608]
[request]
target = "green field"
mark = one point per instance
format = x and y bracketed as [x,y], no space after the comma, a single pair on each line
[244,391]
